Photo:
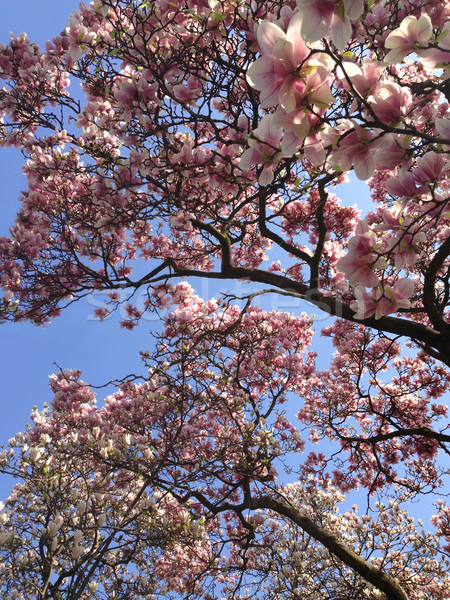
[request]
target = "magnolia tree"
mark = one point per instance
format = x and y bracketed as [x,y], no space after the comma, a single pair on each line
[207,142]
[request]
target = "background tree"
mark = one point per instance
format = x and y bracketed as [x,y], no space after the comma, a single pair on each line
[210,134]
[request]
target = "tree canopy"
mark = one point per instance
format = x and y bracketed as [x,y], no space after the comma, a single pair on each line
[167,141]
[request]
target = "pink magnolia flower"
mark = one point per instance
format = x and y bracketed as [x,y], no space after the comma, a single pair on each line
[77,551]
[404,185]
[405,248]
[297,128]
[383,300]
[358,269]
[300,134]
[188,92]
[390,103]
[392,219]
[359,262]
[412,34]
[314,150]
[55,525]
[364,78]
[321,16]
[438,58]
[431,167]
[404,244]
[78,35]
[356,149]
[284,75]
[182,221]
[274,74]
[310,86]
[393,151]
[364,239]
[263,148]
[443,127]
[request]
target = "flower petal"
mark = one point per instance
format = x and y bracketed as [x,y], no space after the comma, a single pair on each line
[267,34]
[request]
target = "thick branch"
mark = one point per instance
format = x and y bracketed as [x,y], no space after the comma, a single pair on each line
[394,325]
[419,431]
[439,340]
[428,296]
[223,240]
[377,578]
[423,334]
[322,230]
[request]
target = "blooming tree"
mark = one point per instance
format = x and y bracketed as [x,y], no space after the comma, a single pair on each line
[208,141]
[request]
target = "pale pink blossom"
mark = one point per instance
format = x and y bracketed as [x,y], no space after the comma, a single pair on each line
[314,150]
[310,87]
[361,259]
[78,35]
[278,76]
[264,147]
[358,269]
[77,537]
[182,221]
[364,79]
[438,58]
[443,127]
[35,453]
[404,244]
[274,74]
[297,128]
[383,300]
[431,167]
[323,16]
[391,103]
[404,184]
[412,34]
[54,526]
[356,149]
[405,248]
[298,124]
[364,239]
[393,151]
[77,551]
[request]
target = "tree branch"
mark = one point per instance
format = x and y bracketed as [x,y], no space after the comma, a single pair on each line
[322,230]
[271,235]
[376,577]
[428,296]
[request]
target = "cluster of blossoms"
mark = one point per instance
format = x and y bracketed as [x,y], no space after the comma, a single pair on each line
[212,140]
[296,78]
[171,486]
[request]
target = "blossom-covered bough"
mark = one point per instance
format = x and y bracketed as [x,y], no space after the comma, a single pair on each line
[207,135]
